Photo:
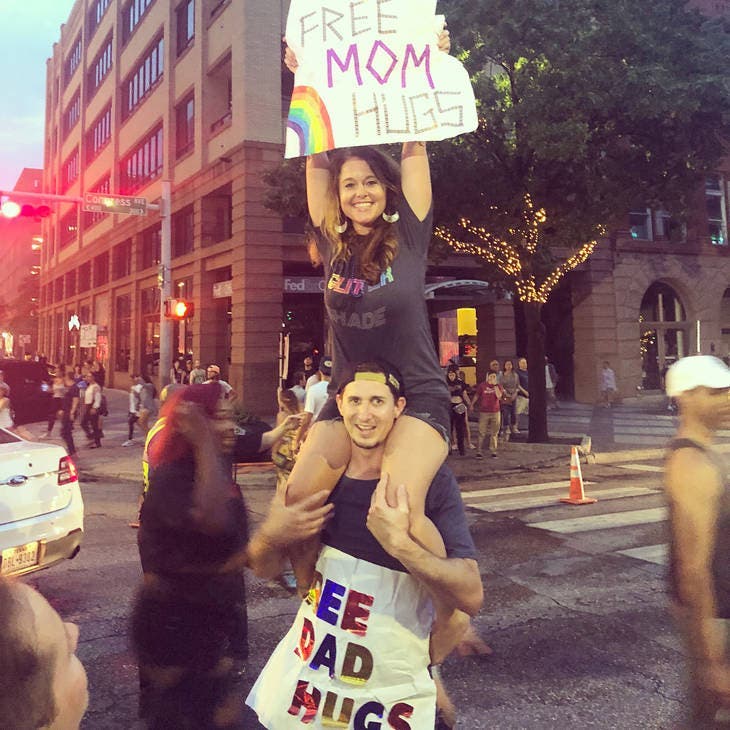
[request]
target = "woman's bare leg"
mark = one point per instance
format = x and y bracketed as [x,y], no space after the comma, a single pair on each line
[320,464]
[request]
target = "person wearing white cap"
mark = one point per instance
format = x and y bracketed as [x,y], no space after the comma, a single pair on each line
[697,486]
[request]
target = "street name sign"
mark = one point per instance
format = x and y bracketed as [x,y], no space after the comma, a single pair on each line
[106,203]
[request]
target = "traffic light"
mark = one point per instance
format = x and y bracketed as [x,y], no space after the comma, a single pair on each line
[12,209]
[179,309]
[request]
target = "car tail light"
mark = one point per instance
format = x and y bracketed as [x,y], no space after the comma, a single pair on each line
[67,471]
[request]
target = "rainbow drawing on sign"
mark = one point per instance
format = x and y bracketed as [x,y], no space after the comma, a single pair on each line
[310,121]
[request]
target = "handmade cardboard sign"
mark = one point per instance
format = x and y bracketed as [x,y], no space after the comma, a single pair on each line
[370,72]
[356,656]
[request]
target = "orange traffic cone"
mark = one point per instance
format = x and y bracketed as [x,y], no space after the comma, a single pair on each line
[576,495]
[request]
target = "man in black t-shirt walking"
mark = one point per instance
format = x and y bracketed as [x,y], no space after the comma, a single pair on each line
[70,408]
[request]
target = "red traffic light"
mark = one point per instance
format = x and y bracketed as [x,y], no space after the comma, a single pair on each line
[12,209]
[179,309]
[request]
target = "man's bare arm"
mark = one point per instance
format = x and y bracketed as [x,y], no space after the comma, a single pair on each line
[694,510]
[453,582]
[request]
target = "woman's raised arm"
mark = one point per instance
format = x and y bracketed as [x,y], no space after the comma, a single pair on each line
[318,175]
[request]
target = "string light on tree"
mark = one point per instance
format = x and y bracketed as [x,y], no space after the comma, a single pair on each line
[513,257]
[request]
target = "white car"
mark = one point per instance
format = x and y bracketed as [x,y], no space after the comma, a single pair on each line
[41,509]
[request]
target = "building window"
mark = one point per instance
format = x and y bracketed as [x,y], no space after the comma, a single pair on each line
[217,213]
[716,210]
[99,133]
[185,126]
[122,260]
[72,61]
[132,15]
[183,232]
[185,17]
[144,77]
[58,289]
[84,277]
[103,186]
[151,248]
[72,114]
[663,334]
[96,13]
[101,269]
[219,89]
[70,170]
[143,164]
[640,224]
[123,316]
[99,68]
[150,316]
[68,228]
[71,283]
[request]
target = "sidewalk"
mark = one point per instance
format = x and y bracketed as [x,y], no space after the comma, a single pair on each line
[113,461]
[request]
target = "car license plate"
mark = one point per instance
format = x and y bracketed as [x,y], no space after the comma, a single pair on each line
[19,558]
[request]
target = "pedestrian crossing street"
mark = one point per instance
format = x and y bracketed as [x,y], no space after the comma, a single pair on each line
[626,520]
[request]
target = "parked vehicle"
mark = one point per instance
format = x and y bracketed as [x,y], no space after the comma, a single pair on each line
[41,508]
[30,389]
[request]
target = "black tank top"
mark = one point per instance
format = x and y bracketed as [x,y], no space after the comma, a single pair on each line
[720,559]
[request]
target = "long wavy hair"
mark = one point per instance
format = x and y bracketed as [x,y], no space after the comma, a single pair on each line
[377,250]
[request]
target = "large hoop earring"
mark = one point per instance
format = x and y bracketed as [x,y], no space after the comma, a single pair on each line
[391,218]
[341,227]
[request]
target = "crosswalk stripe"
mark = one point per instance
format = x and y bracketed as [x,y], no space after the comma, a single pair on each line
[518,489]
[628,438]
[604,521]
[648,430]
[658,554]
[506,505]
[641,467]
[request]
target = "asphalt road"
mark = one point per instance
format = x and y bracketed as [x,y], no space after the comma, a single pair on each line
[579,629]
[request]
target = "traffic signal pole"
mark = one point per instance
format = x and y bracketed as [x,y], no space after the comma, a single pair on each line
[165,281]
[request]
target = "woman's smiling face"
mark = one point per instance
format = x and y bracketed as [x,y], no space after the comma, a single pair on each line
[362,195]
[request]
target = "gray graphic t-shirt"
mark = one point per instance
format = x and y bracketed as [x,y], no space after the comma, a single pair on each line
[388,320]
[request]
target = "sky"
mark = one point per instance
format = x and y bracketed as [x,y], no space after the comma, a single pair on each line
[28,30]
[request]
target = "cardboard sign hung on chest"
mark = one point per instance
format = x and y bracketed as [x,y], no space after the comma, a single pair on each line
[370,72]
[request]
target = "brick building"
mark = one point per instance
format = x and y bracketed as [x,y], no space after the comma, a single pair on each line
[141,91]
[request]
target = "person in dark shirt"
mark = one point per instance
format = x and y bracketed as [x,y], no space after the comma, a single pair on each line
[189,628]
[70,407]
[367,552]
[697,485]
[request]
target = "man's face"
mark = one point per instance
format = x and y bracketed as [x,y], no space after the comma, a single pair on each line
[212,374]
[58,639]
[492,378]
[494,366]
[308,362]
[223,425]
[709,406]
[368,411]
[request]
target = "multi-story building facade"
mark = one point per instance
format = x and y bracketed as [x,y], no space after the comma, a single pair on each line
[145,91]
[20,243]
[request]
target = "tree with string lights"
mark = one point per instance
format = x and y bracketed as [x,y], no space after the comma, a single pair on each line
[587,110]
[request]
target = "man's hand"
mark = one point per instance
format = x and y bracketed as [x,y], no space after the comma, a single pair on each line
[285,525]
[390,525]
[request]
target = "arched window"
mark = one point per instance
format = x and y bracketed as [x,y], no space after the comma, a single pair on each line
[664,334]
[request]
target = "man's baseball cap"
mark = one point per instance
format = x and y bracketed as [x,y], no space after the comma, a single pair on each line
[377,371]
[325,365]
[696,371]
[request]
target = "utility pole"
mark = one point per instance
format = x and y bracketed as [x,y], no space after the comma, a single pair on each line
[165,280]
